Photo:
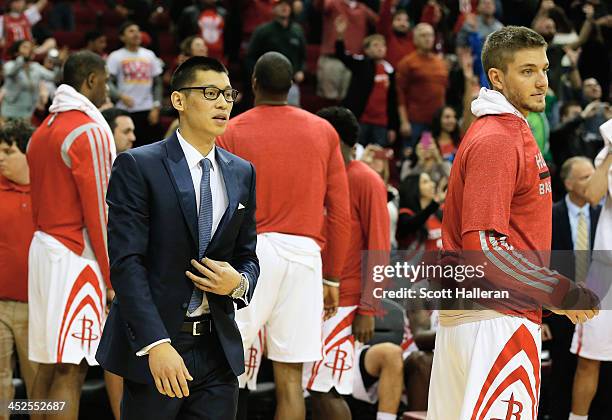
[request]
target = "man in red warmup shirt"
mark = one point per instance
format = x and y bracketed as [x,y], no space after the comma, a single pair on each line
[70,157]
[328,379]
[300,176]
[487,362]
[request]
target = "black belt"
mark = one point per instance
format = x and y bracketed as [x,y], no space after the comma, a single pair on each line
[199,326]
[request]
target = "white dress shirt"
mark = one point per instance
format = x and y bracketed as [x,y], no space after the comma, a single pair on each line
[220,203]
[572,212]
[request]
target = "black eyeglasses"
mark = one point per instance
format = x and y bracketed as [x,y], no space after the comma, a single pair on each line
[211,93]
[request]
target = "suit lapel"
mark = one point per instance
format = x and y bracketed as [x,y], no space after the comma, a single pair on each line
[176,164]
[229,178]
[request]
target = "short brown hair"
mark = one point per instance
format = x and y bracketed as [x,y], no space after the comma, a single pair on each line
[500,46]
[367,41]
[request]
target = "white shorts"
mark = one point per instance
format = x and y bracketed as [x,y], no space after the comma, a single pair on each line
[288,299]
[67,300]
[360,391]
[339,362]
[593,339]
[252,361]
[486,369]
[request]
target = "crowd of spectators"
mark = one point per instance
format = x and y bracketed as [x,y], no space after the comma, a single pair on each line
[407,69]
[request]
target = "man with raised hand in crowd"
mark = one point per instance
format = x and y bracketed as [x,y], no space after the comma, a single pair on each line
[300,176]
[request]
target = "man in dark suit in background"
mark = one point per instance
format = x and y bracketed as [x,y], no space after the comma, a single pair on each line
[181,235]
[574,222]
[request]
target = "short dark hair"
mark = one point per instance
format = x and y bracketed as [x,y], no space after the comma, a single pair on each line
[566,105]
[274,73]
[344,121]
[500,46]
[111,115]
[92,36]
[400,11]
[16,131]
[14,49]
[80,65]
[126,25]
[186,72]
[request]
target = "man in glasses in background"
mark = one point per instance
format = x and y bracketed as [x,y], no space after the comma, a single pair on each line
[181,241]
[300,176]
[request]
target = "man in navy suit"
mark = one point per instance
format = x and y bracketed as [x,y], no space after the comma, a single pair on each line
[575,175]
[181,238]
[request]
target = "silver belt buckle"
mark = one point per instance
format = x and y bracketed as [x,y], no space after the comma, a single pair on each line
[194,329]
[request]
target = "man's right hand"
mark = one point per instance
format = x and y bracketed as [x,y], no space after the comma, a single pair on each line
[169,371]
[585,302]
[591,109]
[331,297]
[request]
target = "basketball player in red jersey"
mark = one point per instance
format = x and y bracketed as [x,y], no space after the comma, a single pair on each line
[487,362]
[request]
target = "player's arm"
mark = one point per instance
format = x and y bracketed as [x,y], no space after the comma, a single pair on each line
[597,187]
[128,234]
[375,224]
[89,158]
[338,213]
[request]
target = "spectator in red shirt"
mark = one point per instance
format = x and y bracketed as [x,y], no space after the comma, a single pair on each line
[371,95]
[207,20]
[422,79]
[15,236]
[395,27]
[17,23]
[332,75]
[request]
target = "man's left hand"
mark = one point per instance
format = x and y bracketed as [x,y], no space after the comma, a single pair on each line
[110,295]
[363,327]
[219,277]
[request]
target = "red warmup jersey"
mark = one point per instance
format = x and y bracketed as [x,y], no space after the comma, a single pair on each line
[16,231]
[369,232]
[70,161]
[212,25]
[375,112]
[300,173]
[500,187]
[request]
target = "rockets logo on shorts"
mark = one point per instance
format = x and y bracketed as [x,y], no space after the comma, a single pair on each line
[517,367]
[82,316]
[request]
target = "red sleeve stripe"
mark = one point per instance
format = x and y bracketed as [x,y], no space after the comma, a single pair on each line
[101,169]
[515,272]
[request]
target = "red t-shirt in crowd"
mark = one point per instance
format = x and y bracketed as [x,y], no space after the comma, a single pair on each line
[500,183]
[300,174]
[211,26]
[358,16]
[16,231]
[369,232]
[422,80]
[375,112]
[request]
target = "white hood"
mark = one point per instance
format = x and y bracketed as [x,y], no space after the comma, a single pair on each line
[68,99]
[492,102]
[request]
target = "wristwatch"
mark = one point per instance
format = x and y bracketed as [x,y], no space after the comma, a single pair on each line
[239,291]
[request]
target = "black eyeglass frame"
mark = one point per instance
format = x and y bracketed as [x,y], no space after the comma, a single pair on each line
[233,95]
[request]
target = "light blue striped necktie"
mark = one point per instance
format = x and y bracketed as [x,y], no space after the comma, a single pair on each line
[204,227]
